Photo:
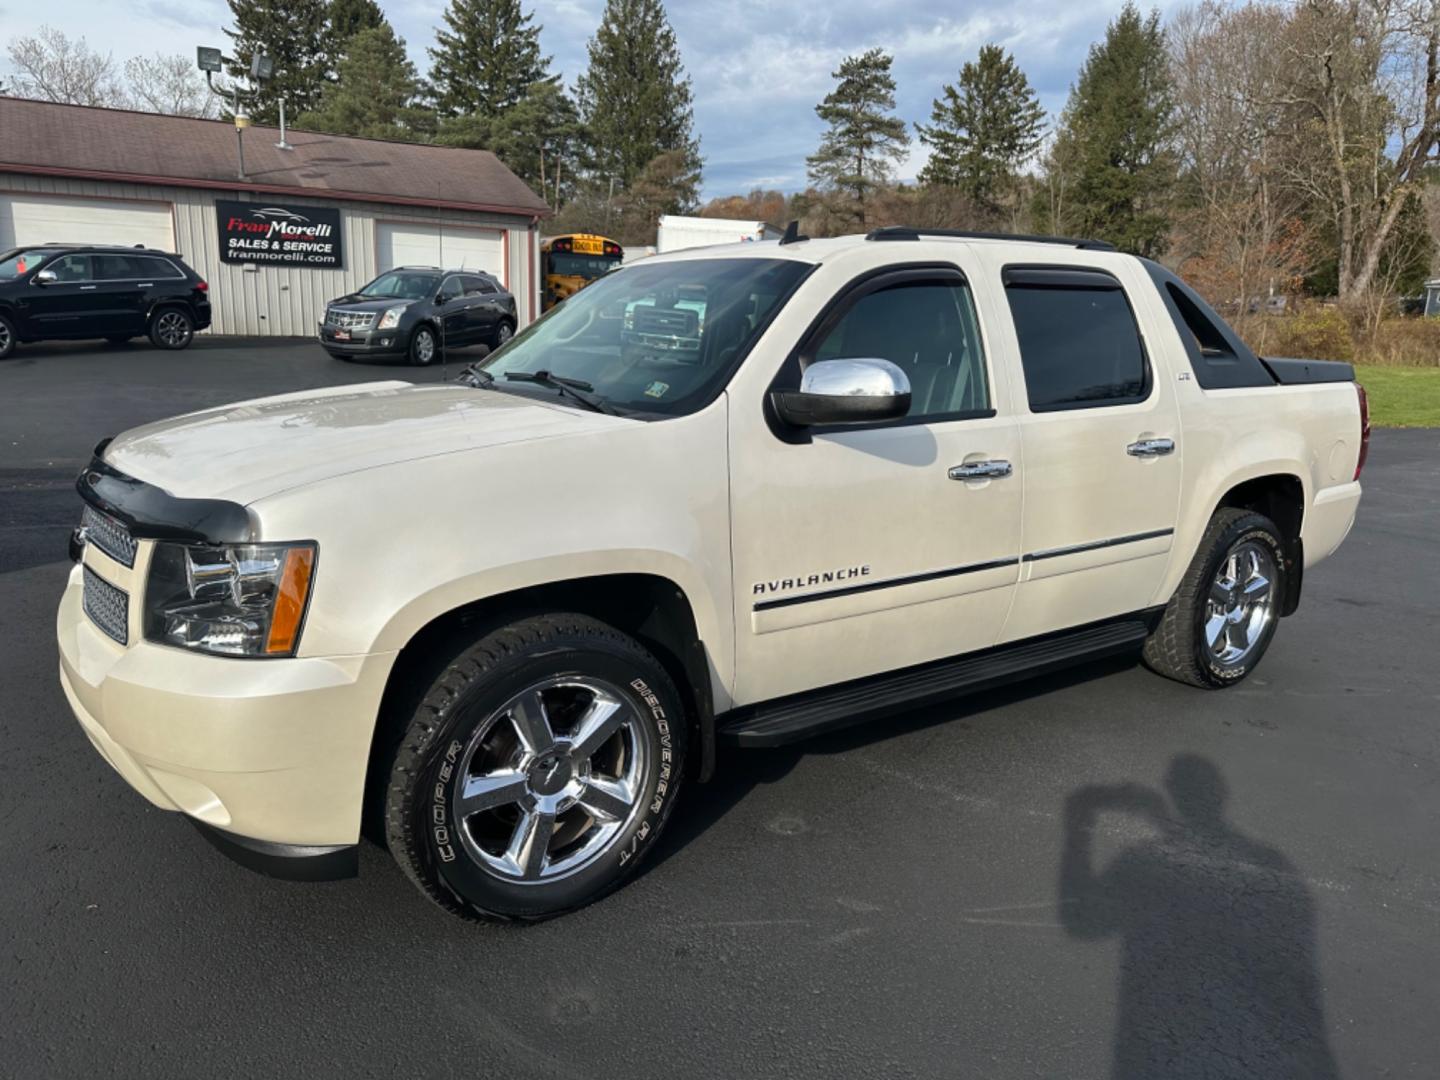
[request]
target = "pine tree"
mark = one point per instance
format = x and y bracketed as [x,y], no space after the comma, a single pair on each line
[375,92]
[635,98]
[543,122]
[487,60]
[984,128]
[292,34]
[864,141]
[343,20]
[1114,144]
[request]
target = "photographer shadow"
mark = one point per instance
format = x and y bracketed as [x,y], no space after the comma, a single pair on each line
[1217,961]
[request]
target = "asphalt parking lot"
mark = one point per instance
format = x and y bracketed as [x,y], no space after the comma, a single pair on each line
[1039,882]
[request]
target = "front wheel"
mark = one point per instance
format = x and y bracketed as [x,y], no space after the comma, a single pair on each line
[422,346]
[1222,618]
[537,771]
[171,328]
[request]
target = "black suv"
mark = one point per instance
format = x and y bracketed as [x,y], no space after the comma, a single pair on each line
[417,312]
[93,291]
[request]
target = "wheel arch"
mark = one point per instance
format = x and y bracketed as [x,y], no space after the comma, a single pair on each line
[649,607]
[1279,496]
[169,302]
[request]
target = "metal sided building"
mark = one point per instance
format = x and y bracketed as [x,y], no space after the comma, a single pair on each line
[307,224]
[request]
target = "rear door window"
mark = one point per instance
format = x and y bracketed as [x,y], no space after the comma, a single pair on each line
[1080,346]
[120,267]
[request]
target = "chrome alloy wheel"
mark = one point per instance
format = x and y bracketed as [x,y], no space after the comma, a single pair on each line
[172,328]
[4,338]
[550,779]
[424,346]
[503,335]
[1241,604]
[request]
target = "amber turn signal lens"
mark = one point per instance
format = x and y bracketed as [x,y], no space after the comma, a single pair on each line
[290,602]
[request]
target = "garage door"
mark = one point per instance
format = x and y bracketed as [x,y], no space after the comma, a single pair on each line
[445,246]
[46,219]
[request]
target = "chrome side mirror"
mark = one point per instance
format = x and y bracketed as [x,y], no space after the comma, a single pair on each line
[861,391]
[46,277]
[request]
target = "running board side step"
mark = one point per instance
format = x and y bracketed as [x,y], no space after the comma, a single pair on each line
[790,719]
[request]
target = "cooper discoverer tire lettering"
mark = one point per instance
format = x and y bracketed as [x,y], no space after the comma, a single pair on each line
[537,771]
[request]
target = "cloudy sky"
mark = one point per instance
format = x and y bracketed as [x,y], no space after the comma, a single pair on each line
[758,66]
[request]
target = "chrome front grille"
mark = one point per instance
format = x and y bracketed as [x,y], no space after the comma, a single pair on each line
[350,320]
[108,535]
[107,606]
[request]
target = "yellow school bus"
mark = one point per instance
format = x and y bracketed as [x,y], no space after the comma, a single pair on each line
[569,263]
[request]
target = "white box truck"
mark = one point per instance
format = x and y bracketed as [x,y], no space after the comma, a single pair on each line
[677,232]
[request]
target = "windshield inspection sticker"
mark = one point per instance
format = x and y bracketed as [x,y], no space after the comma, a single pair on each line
[657,389]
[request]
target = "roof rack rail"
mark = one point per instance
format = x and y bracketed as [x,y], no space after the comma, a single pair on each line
[903,232]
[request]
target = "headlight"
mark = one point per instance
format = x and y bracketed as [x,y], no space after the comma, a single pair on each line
[391,318]
[234,600]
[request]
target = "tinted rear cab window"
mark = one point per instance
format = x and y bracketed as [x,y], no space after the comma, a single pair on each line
[1079,344]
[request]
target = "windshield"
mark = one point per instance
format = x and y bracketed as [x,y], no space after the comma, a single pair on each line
[583,266]
[22,262]
[406,286]
[656,337]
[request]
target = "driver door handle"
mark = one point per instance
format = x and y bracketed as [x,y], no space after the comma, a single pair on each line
[981,470]
[1150,447]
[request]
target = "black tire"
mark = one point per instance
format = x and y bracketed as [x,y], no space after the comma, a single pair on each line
[419,353]
[171,328]
[7,337]
[1178,647]
[504,331]
[465,711]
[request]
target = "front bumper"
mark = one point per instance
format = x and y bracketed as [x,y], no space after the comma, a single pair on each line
[364,342]
[273,753]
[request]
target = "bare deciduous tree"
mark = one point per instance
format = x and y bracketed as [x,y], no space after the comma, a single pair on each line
[1240,226]
[169,85]
[1362,112]
[53,67]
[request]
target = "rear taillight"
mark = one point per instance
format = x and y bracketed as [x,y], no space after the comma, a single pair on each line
[202,286]
[1364,430]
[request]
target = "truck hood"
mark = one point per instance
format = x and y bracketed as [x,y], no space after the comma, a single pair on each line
[247,451]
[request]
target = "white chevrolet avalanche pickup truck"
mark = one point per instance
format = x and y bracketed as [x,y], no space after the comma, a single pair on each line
[739,494]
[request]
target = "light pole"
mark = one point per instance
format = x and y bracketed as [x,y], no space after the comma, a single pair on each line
[262,68]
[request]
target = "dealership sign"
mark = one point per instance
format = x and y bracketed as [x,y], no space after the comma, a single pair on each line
[279,235]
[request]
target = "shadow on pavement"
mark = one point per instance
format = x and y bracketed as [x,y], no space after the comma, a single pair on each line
[740,771]
[1217,934]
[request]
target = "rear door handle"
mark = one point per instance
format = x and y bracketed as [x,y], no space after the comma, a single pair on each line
[981,470]
[1150,447]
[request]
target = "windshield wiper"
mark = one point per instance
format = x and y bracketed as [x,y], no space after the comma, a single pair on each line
[578,389]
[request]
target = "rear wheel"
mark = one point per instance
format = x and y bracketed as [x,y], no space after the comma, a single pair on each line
[7,337]
[1222,618]
[423,348]
[537,771]
[171,328]
[503,333]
